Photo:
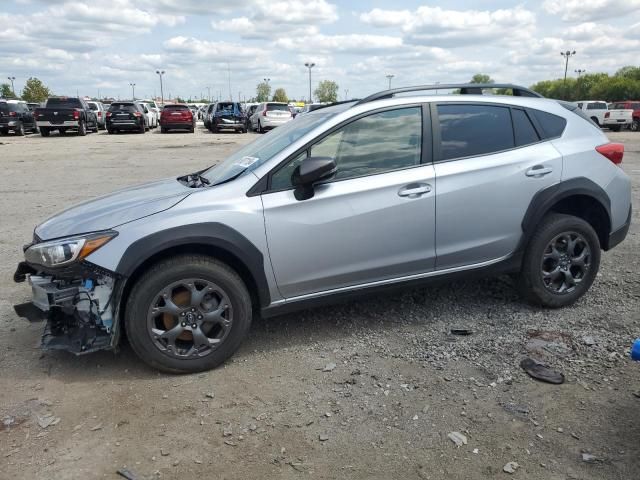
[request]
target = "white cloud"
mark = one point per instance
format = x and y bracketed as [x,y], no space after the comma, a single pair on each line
[584,10]
[361,43]
[437,26]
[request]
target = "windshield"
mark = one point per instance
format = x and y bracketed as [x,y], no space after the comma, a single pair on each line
[265,147]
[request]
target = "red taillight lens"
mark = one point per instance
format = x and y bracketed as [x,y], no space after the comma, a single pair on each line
[108,114]
[613,151]
[264,112]
[607,114]
[99,114]
[12,114]
[137,114]
[76,114]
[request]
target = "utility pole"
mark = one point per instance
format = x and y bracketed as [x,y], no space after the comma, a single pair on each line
[209,94]
[133,90]
[11,79]
[579,72]
[229,72]
[161,73]
[310,65]
[566,55]
[390,76]
[346,94]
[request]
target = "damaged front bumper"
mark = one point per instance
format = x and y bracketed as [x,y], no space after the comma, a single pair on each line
[79,304]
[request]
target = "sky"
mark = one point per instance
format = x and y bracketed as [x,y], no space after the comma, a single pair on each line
[99,47]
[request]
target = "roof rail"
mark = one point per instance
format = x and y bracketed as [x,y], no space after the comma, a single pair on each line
[465,89]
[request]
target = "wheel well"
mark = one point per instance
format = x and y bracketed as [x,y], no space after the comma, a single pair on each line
[591,211]
[208,250]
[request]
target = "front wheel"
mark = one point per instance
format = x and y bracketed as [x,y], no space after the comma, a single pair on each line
[44,131]
[82,129]
[616,128]
[187,314]
[635,126]
[20,130]
[163,130]
[560,262]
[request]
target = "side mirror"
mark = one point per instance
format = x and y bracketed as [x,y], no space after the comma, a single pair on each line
[310,172]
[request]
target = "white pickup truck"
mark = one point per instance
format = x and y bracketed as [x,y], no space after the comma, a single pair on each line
[619,117]
[599,112]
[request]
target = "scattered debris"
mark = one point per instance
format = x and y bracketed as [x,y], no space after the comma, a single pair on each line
[541,372]
[323,437]
[457,438]
[511,467]
[461,331]
[590,458]
[96,428]
[126,473]
[230,443]
[209,395]
[164,452]
[588,340]
[329,367]
[48,420]
[227,431]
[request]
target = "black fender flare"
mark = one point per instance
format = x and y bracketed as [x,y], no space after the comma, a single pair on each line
[211,234]
[547,197]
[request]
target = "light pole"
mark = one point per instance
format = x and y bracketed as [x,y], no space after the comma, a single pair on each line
[346,94]
[310,65]
[390,76]
[566,55]
[161,73]
[133,90]
[209,93]
[229,72]
[11,79]
[267,80]
[579,72]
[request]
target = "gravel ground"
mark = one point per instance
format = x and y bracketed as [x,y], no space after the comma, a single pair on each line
[367,389]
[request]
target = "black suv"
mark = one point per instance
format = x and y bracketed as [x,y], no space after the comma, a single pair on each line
[227,116]
[16,116]
[126,116]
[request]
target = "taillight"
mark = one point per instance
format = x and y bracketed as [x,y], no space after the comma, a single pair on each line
[99,114]
[76,115]
[607,114]
[108,114]
[613,151]
[137,114]
[264,112]
[12,114]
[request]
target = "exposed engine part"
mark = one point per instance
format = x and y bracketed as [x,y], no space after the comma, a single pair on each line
[79,312]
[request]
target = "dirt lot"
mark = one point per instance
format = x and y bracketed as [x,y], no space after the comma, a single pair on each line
[400,385]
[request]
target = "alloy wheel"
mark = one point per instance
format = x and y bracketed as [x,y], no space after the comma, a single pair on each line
[565,262]
[190,318]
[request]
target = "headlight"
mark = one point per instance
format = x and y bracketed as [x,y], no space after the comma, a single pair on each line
[67,250]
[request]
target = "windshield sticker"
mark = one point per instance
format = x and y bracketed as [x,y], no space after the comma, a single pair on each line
[246,162]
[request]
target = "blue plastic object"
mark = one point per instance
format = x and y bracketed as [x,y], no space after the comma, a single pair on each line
[635,350]
[88,284]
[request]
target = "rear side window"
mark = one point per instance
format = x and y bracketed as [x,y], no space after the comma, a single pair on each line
[64,103]
[596,106]
[523,130]
[553,125]
[469,130]
[618,106]
[93,106]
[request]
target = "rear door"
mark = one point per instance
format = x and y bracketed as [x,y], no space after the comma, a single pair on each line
[490,161]
[373,222]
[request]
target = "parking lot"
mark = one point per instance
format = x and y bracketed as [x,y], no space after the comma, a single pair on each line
[367,389]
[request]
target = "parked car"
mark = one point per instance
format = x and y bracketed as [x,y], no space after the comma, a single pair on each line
[594,109]
[227,116]
[634,106]
[208,112]
[15,116]
[154,107]
[152,120]
[32,106]
[350,199]
[270,115]
[177,116]
[126,116]
[66,113]
[101,113]
[250,110]
[617,119]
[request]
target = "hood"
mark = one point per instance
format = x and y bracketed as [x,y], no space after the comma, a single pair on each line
[114,209]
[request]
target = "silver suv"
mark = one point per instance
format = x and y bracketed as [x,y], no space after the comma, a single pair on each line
[395,189]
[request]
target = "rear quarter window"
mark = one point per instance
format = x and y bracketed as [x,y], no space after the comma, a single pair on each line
[523,130]
[552,126]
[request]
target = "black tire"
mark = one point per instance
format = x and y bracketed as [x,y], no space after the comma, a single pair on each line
[82,129]
[166,273]
[35,128]
[616,128]
[4,131]
[20,130]
[44,131]
[62,131]
[163,130]
[260,129]
[193,130]
[635,126]
[595,120]
[530,281]
[110,131]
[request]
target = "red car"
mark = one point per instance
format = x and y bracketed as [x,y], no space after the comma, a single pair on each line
[177,116]
[630,105]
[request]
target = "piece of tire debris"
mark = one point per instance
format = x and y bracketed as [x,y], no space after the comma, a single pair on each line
[461,331]
[541,372]
[123,472]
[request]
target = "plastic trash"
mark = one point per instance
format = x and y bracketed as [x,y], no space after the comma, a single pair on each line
[635,350]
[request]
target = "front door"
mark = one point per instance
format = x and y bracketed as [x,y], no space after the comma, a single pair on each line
[371,223]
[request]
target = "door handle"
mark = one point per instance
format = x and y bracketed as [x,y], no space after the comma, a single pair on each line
[414,190]
[538,171]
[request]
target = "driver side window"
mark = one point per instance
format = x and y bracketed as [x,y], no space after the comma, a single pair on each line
[377,143]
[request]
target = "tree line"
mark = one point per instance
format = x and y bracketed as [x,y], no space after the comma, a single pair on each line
[326,91]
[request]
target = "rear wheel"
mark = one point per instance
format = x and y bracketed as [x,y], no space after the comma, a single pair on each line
[260,130]
[163,130]
[616,128]
[560,262]
[44,131]
[187,314]
[82,129]
[635,126]
[20,130]
[110,130]
[4,131]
